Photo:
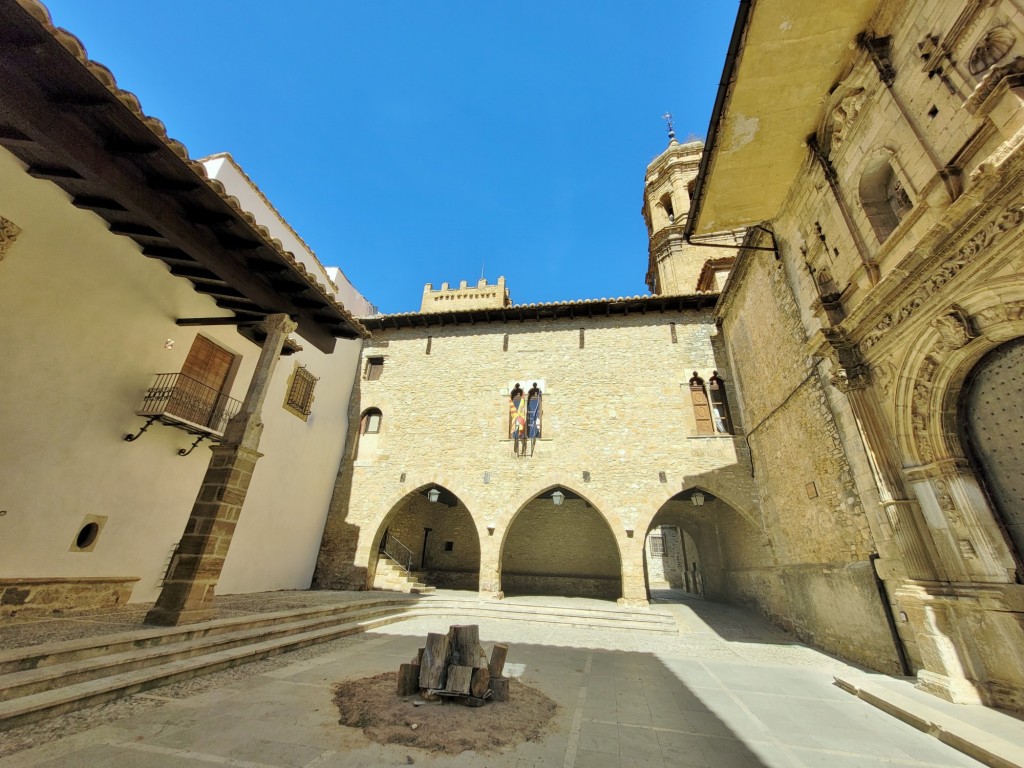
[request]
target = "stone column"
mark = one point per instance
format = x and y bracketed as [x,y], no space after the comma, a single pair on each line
[901,520]
[634,583]
[187,594]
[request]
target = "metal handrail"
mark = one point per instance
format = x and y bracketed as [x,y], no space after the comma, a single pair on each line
[397,551]
[181,396]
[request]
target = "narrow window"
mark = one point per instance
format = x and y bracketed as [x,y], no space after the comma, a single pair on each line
[534,412]
[430,339]
[504,344]
[370,424]
[719,404]
[701,408]
[672,332]
[583,339]
[657,546]
[300,394]
[666,203]
[374,368]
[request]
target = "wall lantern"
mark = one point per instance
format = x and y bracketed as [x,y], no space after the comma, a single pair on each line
[433,495]
[490,529]
[697,498]
[558,497]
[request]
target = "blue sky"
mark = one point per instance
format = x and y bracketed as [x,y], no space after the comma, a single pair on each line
[415,141]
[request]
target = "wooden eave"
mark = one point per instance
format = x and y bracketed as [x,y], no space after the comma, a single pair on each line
[65,118]
[522,313]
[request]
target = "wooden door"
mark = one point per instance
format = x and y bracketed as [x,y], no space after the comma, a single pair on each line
[202,382]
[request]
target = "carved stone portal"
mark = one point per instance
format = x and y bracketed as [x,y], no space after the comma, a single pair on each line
[9,232]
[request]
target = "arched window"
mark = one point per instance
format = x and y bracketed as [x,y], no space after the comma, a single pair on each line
[701,407]
[885,200]
[370,423]
[666,203]
[719,405]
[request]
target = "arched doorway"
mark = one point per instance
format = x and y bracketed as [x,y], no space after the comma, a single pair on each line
[993,430]
[559,544]
[713,537]
[431,535]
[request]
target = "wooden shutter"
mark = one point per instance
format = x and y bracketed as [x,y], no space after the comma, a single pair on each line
[701,407]
[201,384]
[716,389]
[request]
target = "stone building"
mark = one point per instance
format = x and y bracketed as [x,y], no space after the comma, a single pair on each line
[874,320]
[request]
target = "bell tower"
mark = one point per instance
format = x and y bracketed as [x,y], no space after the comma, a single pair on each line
[675,266]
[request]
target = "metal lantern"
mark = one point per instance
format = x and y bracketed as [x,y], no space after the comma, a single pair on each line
[558,497]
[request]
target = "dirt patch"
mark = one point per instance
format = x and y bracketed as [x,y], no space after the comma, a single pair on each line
[371,704]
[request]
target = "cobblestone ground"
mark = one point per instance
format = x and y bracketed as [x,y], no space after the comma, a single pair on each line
[728,691]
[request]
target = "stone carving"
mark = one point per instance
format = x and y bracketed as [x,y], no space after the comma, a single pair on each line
[967,549]
[945,502]
[1009,219]
[9,232]
[954,328]
[993,47]
[1000,313]
[844,116]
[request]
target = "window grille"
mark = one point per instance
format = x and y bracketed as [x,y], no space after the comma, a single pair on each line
[300,395]
[657,546]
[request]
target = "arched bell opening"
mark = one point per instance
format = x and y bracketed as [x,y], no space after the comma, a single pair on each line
[428,538]
[560,544]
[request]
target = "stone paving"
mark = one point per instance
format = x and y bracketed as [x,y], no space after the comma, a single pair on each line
[729,691]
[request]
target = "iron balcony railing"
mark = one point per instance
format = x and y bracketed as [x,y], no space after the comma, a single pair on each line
[397,551]
[182,398]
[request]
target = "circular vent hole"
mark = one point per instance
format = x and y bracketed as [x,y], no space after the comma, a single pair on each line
[87,536]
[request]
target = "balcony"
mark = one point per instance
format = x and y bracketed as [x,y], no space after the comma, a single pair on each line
[179,401]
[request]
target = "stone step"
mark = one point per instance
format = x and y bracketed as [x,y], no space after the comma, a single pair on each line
[29,681]
[37,706]
[45,654]
[660,625]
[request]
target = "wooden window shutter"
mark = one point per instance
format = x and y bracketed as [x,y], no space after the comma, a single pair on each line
[701,406]
[719,404]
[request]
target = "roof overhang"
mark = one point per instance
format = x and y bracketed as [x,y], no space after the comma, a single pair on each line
[65,118]
[784,57]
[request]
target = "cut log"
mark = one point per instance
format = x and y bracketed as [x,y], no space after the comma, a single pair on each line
[497,663]
[459,679]
[465,644]
[408,679]
[419,657]
[435,661]
[481,682]
[499,688]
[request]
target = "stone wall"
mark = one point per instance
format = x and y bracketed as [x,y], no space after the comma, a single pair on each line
[40,597]
[616,407]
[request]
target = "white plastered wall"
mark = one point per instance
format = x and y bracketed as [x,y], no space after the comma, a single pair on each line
[85,321]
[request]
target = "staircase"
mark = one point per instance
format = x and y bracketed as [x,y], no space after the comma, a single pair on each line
[53,678]
[392,577]
[50,679]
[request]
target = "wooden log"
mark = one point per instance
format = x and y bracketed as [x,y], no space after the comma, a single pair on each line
[473,701]
[435,661]
[459,679]
[419,657]
[408,679]
[465,644]
[481,682]
[496,666]
[499,688]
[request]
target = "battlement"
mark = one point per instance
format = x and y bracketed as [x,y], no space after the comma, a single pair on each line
[480,296]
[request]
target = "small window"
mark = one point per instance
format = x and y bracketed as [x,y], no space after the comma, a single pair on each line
[374,368]
[657,545]
[666,203]
[300,394]
[719,405]
[884,198]
[449,546]
[701,406]
[370,424]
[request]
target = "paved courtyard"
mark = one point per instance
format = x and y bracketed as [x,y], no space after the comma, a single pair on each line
[729,691]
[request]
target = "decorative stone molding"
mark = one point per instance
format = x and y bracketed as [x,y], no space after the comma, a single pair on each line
[852,373]
[992,48]
[9,232]
[954,327]
[992,79]
[991,232]
[843,116]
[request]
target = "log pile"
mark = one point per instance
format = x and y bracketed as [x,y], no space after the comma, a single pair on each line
[454,666]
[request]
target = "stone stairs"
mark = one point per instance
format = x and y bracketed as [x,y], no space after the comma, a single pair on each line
[53,678]
[44,680]
[390,576]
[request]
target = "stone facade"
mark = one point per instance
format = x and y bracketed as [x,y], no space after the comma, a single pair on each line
[619,436]
[479,296]
[898,274]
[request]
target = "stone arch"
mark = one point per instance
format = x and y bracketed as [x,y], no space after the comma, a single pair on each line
[570,549]
[459,566]
[716,487]
[883,193]
[927,413]
[708,524]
